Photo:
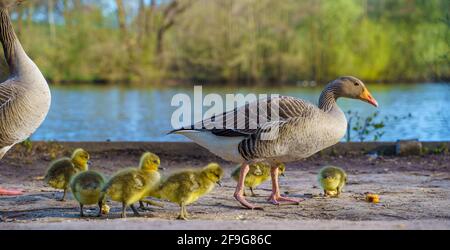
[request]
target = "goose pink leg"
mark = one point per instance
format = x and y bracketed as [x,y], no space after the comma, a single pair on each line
[6,192]
[239,193]
[276,198]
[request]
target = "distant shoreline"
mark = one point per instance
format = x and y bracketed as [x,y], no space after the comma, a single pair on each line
[184,83]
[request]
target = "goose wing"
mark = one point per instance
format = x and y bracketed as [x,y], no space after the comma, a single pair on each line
[250,136]
[253,118]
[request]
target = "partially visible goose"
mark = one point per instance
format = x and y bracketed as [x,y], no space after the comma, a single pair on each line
[24,96]
[304,129]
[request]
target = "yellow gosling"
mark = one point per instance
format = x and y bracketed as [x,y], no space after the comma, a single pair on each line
[87,190]
[131,185]
[332,180]
[60,171]
[186,187]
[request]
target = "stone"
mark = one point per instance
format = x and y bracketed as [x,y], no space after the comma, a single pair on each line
[408,147]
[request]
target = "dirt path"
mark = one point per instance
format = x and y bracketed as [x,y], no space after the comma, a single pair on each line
[414,192]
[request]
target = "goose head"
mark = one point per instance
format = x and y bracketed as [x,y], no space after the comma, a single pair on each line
[352,87]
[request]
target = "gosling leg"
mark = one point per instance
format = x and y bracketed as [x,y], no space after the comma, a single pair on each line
[124,208]
[64,195]
[136,213]
[182,215]
[253,193]
[81,210]
[100,205]
[185,211]
[142,206]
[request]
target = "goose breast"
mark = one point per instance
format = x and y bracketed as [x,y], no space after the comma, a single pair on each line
[23,108]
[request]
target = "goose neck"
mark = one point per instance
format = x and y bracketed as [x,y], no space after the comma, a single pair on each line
[327,101]
[11,45]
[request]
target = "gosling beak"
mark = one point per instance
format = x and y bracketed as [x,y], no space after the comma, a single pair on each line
[283,174]
[219,183]
[367,97]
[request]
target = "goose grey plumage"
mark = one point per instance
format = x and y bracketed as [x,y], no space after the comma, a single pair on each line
[25,96]
[303,130]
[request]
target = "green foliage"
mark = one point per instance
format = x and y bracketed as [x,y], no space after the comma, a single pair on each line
[246,41]
[28,144]
[441,149]
[370,126]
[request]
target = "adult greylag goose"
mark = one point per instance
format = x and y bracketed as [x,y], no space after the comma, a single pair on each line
[24,96]
[303,129]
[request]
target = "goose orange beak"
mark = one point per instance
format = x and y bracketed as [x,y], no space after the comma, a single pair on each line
[367,97]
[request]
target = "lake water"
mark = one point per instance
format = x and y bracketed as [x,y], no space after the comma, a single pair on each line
[93,113]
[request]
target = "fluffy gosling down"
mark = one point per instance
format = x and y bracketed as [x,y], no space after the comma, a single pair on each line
[62,170]
[186,187]
[87,190]
[131,185]
[257,175]
[332,180]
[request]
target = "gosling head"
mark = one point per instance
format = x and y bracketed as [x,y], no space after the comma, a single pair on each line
[352,87]
[213,172]
[80,158]
[331,177]
[281,169]
[149,162]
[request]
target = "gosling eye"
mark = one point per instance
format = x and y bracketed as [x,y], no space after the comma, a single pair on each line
[356,84]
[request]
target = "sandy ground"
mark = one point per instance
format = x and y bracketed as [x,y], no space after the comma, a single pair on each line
[414,193]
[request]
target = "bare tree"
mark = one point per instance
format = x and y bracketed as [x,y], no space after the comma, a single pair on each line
[150,16]
[51,19]
[121,18]
[30,12]
[19,21]
[169,16]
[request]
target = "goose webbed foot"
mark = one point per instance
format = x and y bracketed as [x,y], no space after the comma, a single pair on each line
[239,193]
[278,199]
[8,192]
[240,198]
